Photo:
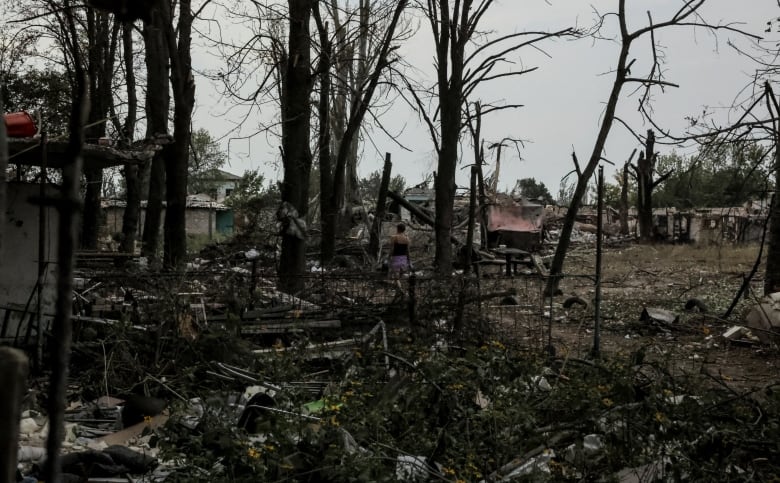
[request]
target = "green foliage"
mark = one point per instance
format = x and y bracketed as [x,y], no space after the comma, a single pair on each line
[566,190]
[474,408]
[532,189]
[369,186]
[728,176]
[206,158]
[252,200]
[44,90]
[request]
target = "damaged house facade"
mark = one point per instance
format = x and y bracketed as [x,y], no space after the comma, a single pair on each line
[204,217]
[740,224]
[30,230]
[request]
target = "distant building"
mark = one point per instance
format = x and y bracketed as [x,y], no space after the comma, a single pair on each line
[217,184]
[203,216]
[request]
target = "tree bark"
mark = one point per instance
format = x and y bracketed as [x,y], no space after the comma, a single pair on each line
[3,177]
[772,276]
[67,239]
[624,200]
[556,267]
[374,245]
[102,35]
[183,86]
[156,107]
[450,38]
[132,171]
[328,217]
[358,110]
[297,158]
[644,180]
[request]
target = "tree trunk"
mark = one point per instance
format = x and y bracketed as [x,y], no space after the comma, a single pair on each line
[297,158]
[3,179]
[374,244]
[183,85]
[358,109]
[154,206]
[644,181]
[556,267]
[772,277]
[157,102]
[624,201]
[131,171]
[102,41]
[327,216]
[444,184]
[90,222]
[67,240]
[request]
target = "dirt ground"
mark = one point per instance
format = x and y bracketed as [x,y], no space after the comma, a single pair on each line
[667,276]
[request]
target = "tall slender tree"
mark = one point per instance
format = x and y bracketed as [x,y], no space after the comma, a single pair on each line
[157,104]
[179,41]
[296,88]
[458,73]
[688,15]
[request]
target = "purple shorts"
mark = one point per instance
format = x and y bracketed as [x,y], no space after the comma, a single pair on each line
[399,263]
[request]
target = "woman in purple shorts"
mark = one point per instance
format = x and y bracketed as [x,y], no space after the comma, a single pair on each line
[399,251]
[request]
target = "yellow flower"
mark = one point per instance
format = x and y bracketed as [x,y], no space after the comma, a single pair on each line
[660,417]
[269,447]
[148,419]
[448,471]
[607,402]
[334,422]
[253,453]
[498,345]
[455,387]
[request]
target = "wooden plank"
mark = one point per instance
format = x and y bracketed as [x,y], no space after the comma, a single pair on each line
[539,264]
[134,431]
[297,326]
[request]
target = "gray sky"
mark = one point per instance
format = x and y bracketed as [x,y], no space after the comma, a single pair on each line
[563,99]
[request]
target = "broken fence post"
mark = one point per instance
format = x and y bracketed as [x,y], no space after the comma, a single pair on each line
[13,378]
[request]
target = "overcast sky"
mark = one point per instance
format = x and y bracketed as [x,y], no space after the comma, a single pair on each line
[563,100]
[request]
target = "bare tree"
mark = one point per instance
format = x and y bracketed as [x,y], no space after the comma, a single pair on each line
[157,104]
[646,182]
[624,229]
[296,153]
[686,16]
[132,171]
[67,239]
[458,73]
[346,144]
[178,39]
[101,33]
[3,170]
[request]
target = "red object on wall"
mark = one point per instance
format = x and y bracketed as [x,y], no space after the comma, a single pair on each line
[20,125]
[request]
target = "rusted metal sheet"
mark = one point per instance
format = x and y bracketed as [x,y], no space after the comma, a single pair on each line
[525,218]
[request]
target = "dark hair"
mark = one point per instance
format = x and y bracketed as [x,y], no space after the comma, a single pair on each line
[401,228]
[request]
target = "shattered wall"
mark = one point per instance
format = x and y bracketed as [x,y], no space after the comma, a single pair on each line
[19,259]
[199,221]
